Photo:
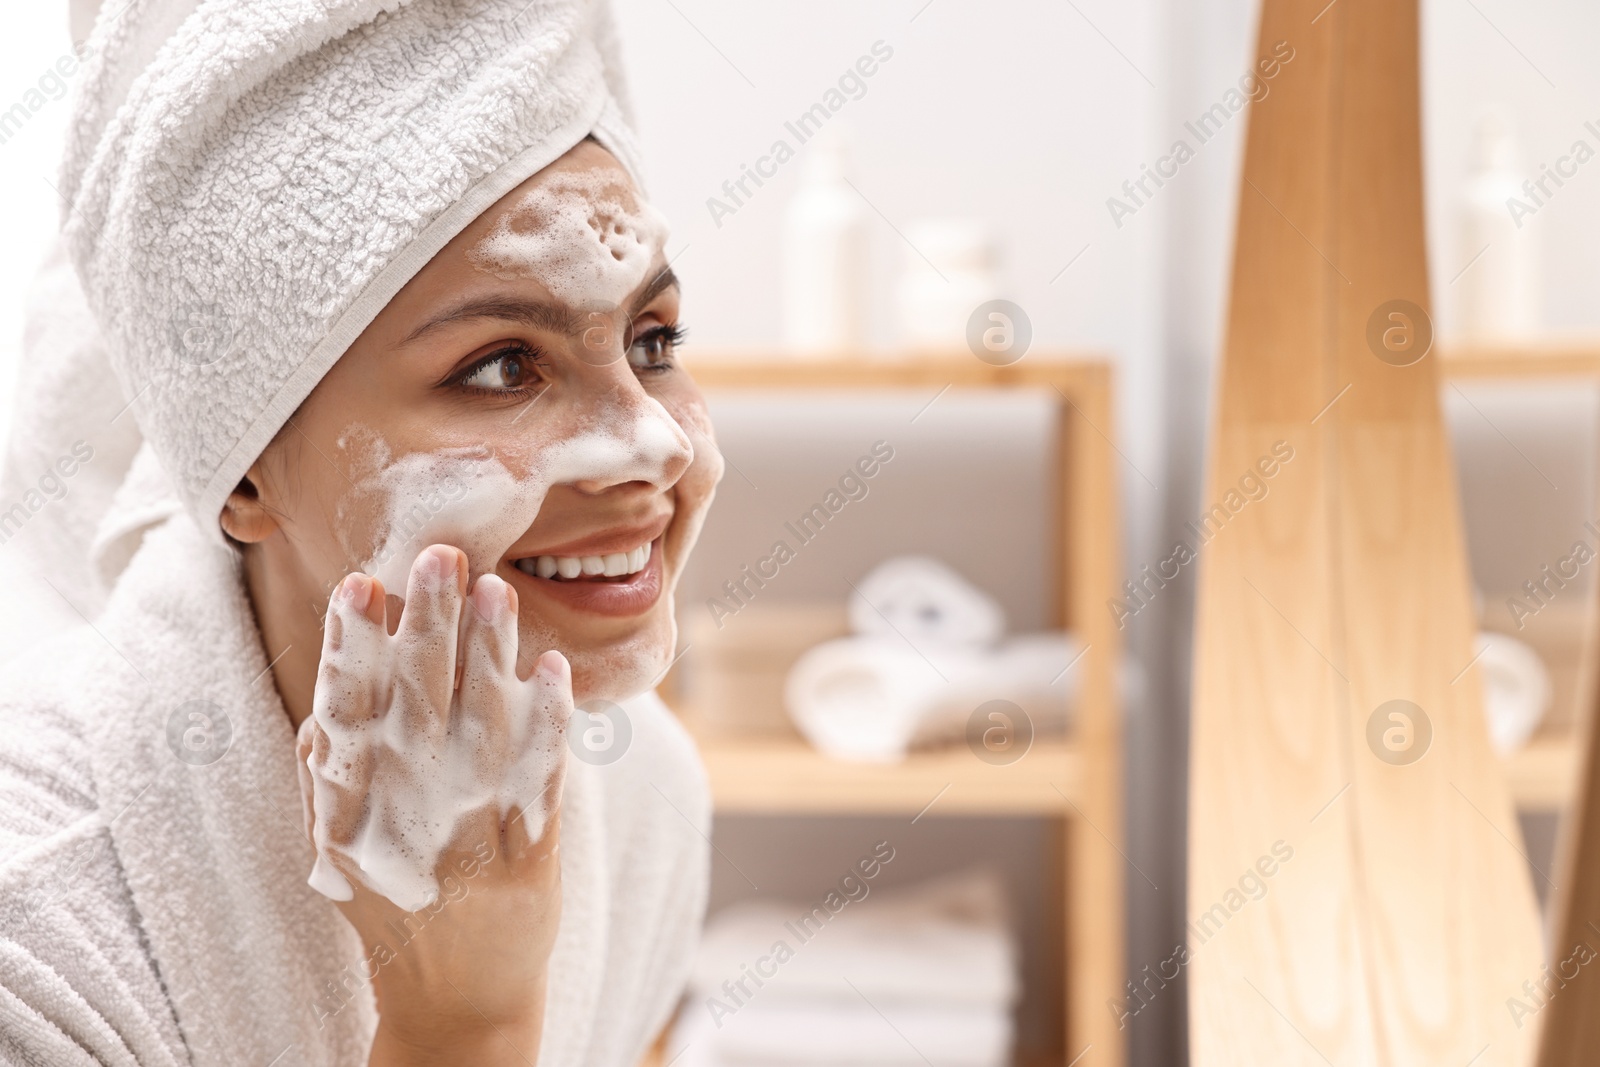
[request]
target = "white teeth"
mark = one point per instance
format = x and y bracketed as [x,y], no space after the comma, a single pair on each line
[610,565]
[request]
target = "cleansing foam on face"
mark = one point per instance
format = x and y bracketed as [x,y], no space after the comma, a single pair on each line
[585,234]
[424,758]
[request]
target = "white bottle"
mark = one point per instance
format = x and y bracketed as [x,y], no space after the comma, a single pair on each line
[825,254]
[1498,295]
[949,272]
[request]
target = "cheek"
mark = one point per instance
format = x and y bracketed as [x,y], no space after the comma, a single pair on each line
[332,519]
[370,507]
[465,496]
[361,518]
[698,483]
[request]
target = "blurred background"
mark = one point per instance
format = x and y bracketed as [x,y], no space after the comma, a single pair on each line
[999,148]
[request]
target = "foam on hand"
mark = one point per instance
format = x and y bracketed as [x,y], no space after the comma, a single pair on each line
[408,763]
[586,234]
[407,760]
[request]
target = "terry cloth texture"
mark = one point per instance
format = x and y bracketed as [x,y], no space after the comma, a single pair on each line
[155,911]
[247,183]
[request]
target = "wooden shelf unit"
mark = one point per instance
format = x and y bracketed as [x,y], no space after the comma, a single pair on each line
[1076,782]
[1543,774]
[784,776]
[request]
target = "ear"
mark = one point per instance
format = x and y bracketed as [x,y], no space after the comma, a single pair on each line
[245,518]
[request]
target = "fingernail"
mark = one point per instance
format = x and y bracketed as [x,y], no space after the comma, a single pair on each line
[549,665]
[444,562]
[434,563]
[425,566]
[488,599]
[356,591]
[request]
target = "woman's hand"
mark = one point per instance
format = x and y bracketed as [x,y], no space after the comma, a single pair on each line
[432,783]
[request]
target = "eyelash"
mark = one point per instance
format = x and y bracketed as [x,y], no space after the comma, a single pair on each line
[672,335]
[530,357]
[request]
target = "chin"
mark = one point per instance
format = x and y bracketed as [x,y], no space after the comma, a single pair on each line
[617,670]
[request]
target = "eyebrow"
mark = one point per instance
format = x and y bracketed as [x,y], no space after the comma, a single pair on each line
[659,284]
[554,318]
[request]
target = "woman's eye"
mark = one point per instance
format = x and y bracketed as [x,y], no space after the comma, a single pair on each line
[652,349]
[502,371]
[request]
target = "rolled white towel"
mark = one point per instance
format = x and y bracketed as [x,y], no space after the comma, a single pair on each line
[872,698]
[860,698]
[1516,689]
[923,601]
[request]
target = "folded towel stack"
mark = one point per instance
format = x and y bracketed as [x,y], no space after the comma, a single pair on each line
[920,976]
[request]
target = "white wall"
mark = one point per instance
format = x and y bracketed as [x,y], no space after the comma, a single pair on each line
[1536,63]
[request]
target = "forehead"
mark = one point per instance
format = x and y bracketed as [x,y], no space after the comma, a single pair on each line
[584,168]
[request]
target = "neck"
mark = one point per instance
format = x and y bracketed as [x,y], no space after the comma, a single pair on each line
[291,630]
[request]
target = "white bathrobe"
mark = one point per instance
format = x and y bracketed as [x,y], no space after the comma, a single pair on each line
[156,912]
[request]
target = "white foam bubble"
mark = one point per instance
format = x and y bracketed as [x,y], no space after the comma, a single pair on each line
[585,234]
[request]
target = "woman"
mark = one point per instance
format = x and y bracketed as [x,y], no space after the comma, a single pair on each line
[436,487]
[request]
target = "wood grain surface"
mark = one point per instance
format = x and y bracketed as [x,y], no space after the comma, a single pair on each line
[1403,916]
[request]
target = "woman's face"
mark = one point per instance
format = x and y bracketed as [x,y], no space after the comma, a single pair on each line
[520,399]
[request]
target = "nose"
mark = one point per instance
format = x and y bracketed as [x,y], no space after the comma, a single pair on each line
[648,445]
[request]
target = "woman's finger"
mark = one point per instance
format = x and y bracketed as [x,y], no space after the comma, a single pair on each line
[340,775]
[537,777]
[425,643]
[489,690]
[353,653]
[377,605]
[345,708]
[332,811]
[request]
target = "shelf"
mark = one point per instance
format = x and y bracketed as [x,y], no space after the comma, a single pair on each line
[1555,359]
[787,775]
[656,1056]
[1543,774]
[1068,371]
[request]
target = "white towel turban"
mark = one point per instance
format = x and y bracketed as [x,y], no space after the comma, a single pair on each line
[249,182]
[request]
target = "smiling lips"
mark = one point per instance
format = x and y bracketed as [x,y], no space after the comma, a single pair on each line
[568,568]
[618,584]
